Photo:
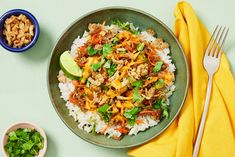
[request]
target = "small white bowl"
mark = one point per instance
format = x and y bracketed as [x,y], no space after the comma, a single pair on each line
[29,125]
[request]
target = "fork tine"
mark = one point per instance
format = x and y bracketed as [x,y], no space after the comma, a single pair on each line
[210,42]
[215,43]
[222,44]
[218,43]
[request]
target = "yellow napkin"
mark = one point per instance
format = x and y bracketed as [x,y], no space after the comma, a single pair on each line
[219,134]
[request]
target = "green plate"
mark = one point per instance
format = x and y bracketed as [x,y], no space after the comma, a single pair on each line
[143,21]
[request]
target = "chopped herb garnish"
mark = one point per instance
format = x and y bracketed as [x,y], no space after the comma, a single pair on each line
[166,113]
[132,121]
[133,111]
[107,49]
[137,96]
[140,46]
[159,84]
[24,143]
[115,40]
[91,51]
[112,69]
[96,66]
[158,103]
[103,110]
[88,84]
[158,66]
[130,114]
[161,103]
[137,84]
[107,64]
[126,26]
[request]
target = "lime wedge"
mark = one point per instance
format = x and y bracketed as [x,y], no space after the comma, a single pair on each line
[68,65]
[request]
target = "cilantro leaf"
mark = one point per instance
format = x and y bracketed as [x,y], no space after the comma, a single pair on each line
[137,83]
[88,84]
[137,96]
[166,113]
[131,121]
[24,142]
[115,40]
[158,66]
[96,66]
[12,136]
[126,26]
[28,145]
[133,111]
[112,69]
[159,103]
[127,115]
[130,114]
[103,110]
[91,51]
[107,49]
[107,64]
[159,84]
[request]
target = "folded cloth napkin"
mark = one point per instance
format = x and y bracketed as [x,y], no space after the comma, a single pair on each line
[219,134]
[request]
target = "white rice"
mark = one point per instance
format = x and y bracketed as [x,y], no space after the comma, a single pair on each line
[164,54]
[79,42]
[91,121]
[147,37]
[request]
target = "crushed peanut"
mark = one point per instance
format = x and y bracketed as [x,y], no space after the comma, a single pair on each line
[18,30]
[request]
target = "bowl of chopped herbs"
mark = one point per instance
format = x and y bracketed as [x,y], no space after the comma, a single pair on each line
[24,139]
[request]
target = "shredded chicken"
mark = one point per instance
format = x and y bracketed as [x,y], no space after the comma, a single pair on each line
[117,61]
[98,80]
[98,47]
[94,28]
[158,43]
[114,77]
[95,98]
[150,93]
[142,69]
[137,73]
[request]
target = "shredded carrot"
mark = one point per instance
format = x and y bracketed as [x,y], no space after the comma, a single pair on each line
[155,114]
[122,130]
[83,48]
[139,121]
[75,82]
[96,39]
[151,80]
[72,99]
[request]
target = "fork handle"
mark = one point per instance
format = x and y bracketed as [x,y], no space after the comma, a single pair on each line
[203,119]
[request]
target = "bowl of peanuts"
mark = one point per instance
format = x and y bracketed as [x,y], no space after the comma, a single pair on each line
[19,30]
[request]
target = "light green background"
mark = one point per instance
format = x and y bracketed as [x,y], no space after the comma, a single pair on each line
[23,86]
